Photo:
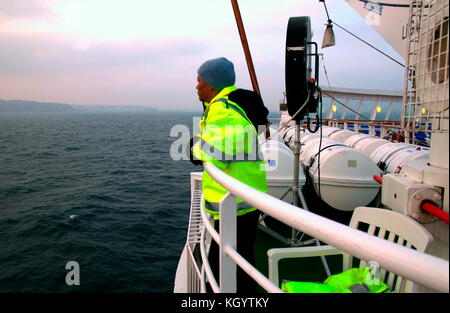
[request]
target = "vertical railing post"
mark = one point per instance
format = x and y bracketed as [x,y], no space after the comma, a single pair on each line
[383,132]
[227,232]
[371,129]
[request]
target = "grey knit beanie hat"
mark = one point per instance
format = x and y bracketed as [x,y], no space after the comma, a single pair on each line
[218,73]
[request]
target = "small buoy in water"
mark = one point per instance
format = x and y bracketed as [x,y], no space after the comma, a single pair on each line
[73,217]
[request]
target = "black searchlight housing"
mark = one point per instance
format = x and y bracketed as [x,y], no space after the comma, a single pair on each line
[298,68]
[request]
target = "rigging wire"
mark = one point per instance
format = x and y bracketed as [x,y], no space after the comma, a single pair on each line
[328,81]
[286,123]
[325,71]
[414,140]
[345,106]
[370,45]
[399,63]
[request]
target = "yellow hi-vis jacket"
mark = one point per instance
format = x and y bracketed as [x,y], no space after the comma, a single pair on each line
[229,140]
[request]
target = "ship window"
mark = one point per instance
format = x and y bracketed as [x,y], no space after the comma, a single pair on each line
[339,107]
[353,104]
[396,111]
[381,109]
[367,108]
[326,102]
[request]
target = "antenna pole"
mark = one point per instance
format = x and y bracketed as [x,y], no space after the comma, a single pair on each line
[248,56]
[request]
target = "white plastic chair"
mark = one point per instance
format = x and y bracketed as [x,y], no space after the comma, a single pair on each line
[382,223]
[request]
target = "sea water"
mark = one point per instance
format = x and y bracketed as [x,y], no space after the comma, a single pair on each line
[99,189]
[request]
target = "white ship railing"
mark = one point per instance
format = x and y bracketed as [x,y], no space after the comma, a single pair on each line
[425,269]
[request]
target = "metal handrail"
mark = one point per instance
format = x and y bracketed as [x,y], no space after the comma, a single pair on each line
[425,269]
[206,267]
[262,280]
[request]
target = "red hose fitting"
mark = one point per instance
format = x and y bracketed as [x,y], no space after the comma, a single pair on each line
[378,179]
[435,211]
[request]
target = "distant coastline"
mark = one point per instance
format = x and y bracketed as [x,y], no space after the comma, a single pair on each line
[23,106]
[36,107]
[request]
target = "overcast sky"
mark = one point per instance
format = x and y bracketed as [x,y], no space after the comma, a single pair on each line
[146,52]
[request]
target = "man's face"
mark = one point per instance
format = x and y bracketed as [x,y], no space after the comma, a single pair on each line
[203,90]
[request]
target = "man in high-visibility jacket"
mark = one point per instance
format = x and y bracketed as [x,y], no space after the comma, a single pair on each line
[229,140]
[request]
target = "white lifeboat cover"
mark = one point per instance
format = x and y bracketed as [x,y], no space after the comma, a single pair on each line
[399,159]
[346,174]
[342,135]
[279,163]
[384,152]
[330,130]
[370,144]
[352,140]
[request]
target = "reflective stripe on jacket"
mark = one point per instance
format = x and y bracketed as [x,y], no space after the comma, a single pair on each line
[229,140]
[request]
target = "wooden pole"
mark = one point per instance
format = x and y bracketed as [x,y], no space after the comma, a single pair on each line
[248,56]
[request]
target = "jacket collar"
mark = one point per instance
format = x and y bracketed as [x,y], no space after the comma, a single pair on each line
[223,93]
